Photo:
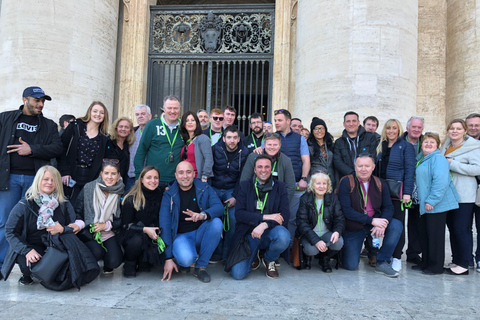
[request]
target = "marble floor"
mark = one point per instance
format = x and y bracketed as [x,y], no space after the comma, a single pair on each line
[306,294]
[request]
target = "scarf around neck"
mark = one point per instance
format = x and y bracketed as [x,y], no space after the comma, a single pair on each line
[106,205]
[47,203]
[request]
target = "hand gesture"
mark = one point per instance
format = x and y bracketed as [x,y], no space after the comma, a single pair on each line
[22,149]
[168,269]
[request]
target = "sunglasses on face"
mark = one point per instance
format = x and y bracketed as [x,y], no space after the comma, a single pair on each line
[217,118]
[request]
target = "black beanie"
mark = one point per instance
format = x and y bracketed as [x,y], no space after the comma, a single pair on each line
[317,121]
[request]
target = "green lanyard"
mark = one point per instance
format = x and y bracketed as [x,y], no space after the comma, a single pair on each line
[320,217]
[255,142]
[262,204]
[97,236]
[160,244]
[141,132]
[274,165]
[365,196]
[211,136]
[418,145]
[226,218]
[418,162]
[168,137]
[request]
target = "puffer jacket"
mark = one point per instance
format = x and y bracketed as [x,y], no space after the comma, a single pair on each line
[464,167]
[342,157]
[226,175]
[307,216]
[318,162]
[401,163]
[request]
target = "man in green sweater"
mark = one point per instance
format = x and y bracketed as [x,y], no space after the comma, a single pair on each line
[161,142]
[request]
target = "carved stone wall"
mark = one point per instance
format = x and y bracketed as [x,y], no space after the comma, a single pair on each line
[66,47]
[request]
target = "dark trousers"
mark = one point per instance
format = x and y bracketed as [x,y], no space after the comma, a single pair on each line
[399,214]
[476,211]
[432,241]
[22,261]
[112,258]
[414,249]
[133,247]
[459,222]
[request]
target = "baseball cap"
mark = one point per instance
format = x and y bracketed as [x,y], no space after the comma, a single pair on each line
[35,92]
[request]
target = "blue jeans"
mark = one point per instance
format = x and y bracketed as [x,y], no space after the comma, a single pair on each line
[273,241]
[224,245]
[197,245]
[17,187]
[353,241]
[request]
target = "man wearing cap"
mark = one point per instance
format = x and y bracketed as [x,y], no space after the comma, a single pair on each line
[27,142]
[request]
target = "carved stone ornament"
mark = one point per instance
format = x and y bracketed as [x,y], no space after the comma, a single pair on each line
[212,33]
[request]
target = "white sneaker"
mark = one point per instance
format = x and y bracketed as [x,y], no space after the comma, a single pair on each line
[478,266]
[397,264]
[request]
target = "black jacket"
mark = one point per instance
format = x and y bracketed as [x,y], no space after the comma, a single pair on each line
[67,162]
[46,145]
[307,216]
[342,156]
[22,218]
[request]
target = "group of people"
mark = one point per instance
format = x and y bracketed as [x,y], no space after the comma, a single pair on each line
[189,190]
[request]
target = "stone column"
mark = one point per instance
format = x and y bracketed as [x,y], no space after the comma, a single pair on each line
[66,47]
[463,60]
[432,46]
[134,56]
[356,55]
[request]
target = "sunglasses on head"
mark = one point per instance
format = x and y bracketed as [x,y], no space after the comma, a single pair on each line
[282,111]
[272,134]
[111,161]
[217,118]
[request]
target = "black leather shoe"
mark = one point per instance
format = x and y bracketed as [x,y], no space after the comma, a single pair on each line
[326,264]
[415,260]
[417,268]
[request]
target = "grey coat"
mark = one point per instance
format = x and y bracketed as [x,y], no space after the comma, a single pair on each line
[284,170]
[203,156]
[464,167]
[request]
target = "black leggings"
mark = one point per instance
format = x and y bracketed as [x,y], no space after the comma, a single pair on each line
[112,258]
[22,261]
[133,247]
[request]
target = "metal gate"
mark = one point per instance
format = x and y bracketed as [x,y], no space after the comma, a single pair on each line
[212,57]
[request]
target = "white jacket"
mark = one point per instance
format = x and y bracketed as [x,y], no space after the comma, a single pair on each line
[464,167]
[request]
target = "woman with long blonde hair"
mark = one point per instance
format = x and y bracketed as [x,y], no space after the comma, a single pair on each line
[396,162]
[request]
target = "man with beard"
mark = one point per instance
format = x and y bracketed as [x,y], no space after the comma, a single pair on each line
[28,141]
[229,156]
[262,216]
[203,118]
[255,139]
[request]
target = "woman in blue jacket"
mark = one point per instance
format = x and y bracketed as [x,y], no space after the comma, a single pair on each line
[396,161]
[437,195]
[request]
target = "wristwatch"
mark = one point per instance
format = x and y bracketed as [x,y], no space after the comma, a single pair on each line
[304,179]
[204,215]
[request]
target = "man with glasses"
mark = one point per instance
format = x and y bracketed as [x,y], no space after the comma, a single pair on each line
[262,216]
[161,142]
[203,118]
[256,136]
[296,148]
[414,135]
[229,156]
[368,209]
[473,130]
[216,126]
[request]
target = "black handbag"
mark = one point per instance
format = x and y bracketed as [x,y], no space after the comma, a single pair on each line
[396,189]
[47,268]
[240,252]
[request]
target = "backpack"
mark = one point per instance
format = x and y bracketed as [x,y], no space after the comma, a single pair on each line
[377,180]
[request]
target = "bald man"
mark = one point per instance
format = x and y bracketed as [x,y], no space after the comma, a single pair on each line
[190,218]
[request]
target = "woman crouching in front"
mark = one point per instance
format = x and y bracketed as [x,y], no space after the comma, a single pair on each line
[140,210]
[43,210]
[320,221]
[98,204]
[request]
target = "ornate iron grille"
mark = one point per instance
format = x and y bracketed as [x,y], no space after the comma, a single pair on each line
[211,57]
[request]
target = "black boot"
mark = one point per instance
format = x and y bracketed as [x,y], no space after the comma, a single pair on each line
[325,263]
[308,262]
[130,269]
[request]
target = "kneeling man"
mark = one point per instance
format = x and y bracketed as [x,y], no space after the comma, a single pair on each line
[190,219]
[368,209]
[262,214]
